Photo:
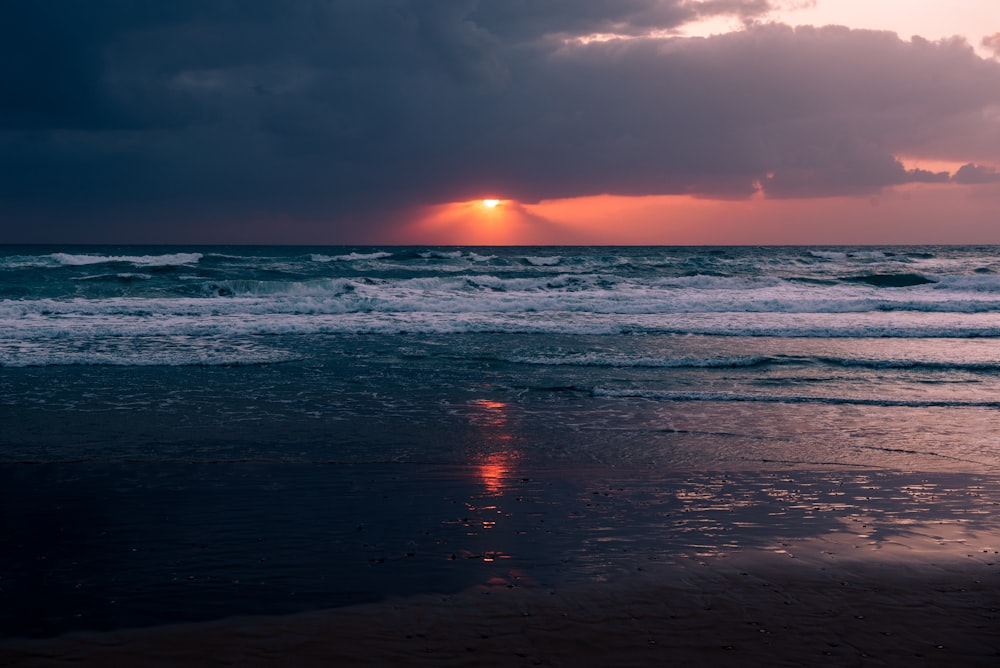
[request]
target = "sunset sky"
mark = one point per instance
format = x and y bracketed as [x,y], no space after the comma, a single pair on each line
[592,121]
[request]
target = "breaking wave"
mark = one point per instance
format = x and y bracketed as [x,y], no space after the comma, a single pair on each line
[350,257]
[168,260]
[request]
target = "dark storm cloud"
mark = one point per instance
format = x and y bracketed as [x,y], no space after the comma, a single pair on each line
[122,112]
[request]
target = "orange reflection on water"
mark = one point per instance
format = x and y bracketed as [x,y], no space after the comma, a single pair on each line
[488,413]
[495,469]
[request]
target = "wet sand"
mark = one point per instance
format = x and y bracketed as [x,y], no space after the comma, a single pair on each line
[771,568]
[749,610]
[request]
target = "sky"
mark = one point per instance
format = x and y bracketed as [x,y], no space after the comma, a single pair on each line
[592,121]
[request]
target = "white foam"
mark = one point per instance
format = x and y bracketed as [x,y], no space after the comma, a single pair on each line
[827,255]
[172,350]
[171,259]
[48,319]
[27,262]
[350,257]
[530,302]
[540,261]
[124,276]
[971,283]
[570,293]
[323,287]
[842,255]
[706,282]
[441,255]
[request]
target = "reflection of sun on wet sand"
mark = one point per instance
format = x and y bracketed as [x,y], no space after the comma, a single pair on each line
[490,414]
[494,467]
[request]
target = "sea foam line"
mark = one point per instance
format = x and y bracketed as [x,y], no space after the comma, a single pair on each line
[170,259]
[668,395]
[198,317]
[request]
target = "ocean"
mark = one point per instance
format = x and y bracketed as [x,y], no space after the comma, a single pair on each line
[193,432]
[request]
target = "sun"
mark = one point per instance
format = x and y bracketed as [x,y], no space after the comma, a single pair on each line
[491,203]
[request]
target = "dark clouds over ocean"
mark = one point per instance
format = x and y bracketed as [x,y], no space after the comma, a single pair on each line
[150,121]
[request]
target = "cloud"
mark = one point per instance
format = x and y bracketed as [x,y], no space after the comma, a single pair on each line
[992,42]
[177,113]
[971,174]
[529,19]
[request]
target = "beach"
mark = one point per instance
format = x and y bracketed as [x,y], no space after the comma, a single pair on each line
[764,568]
[499,456]
[559,333]
[774,614]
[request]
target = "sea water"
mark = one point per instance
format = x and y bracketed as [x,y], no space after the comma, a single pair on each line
[191,432]
[674,357]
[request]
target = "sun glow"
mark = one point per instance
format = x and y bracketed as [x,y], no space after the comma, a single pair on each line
[480,222]
[688,220]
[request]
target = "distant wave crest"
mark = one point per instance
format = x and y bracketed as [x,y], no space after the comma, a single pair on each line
[350,257]
[167,260]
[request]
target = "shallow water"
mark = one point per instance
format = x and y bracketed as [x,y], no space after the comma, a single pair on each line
[575,399]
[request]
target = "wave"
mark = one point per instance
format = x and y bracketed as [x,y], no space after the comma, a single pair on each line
[598,294]
[167,260]
[164,359]
[980,282]
[741,361]
[843,255]
[624,361]
[716,281]
[350,257]
[667,395]
[742,292]
[440,255]
[326,287]
[930,365]
[602,294]
[608,292]
[25,321]
[539,261]
[117,278]
[133,349]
